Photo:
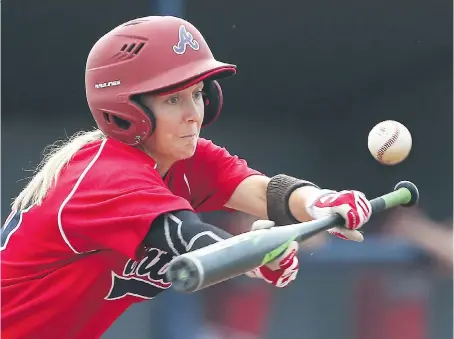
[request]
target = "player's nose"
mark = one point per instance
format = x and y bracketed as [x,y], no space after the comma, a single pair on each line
[193,113]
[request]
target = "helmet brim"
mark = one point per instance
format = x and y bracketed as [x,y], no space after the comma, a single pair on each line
[187,75]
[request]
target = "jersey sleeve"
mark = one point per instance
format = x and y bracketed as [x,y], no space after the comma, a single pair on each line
[215,174]
[117,214]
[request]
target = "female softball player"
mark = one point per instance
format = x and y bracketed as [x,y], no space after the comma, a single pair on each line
[95,228]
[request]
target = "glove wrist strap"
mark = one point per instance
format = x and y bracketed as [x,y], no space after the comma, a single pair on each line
[311,201]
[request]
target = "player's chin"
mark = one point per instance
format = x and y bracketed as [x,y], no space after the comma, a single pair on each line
[186,152]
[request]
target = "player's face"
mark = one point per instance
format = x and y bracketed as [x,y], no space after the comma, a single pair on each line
[179,118]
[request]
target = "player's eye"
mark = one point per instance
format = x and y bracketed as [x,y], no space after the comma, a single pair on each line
[198,95]
[172,100]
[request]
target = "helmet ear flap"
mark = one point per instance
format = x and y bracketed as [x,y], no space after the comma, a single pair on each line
[213,98]
[115,119]
[137,100]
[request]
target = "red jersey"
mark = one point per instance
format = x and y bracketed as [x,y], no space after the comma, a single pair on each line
[75,263]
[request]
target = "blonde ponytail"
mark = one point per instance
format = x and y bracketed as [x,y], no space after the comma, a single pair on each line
[56,156]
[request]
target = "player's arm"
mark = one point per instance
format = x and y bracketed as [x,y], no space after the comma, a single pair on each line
[182,231]
[229,182]
[286,200]
[252,194]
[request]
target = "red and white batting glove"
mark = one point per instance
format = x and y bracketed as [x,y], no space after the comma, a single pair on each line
[353,206]
[282,270]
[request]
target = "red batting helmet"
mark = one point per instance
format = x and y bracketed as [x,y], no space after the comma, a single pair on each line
[150,54]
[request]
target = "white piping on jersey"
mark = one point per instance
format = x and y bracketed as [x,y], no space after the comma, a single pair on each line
[187,183]
[168,237]
[90,165]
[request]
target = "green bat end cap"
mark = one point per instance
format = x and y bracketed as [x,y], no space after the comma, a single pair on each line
[414,193]
[183,275]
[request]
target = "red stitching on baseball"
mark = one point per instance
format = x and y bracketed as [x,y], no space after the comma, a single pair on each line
[388,143]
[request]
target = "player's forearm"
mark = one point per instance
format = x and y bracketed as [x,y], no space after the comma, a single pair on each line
[251,197]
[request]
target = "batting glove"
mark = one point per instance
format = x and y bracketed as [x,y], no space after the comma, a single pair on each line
[281,271]
[350,205]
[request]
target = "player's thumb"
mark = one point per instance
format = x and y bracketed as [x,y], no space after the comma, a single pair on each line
[346,234]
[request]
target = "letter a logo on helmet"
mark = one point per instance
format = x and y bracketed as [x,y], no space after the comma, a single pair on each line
[185,39]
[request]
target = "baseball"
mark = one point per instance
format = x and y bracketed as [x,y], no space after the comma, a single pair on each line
[389,142]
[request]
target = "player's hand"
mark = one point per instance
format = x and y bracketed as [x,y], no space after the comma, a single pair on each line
[282,270]
[351,205]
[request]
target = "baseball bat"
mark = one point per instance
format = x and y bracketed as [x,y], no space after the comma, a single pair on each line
[193,271]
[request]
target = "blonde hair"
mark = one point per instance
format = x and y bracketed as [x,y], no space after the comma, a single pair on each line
[56,156]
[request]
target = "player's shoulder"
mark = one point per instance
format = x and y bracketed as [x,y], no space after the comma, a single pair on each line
[111,161]
[203,144]
[208,155]
[207,148]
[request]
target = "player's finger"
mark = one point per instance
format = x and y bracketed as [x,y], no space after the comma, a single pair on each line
[346,234]
[262,224]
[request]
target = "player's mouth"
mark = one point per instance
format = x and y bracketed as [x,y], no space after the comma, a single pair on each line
[189,136]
